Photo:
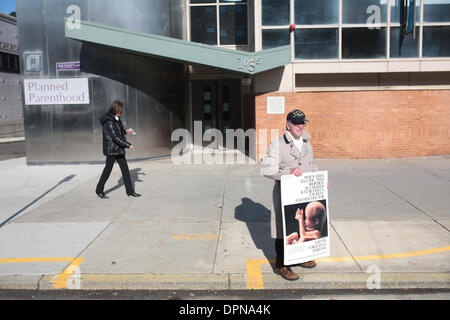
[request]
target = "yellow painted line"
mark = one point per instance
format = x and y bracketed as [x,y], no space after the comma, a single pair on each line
[254,274]
[61,280]
[195,236]
[387,256]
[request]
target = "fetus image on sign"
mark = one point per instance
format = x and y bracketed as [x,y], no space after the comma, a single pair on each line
[305,222]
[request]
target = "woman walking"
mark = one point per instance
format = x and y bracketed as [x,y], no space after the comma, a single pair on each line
[114,144]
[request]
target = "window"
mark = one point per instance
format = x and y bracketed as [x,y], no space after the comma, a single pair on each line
[436,41]
[275,12]
[369,39]
[233,24]
[321,42]
[219,22]
[404,46]
[317,44]
[358,29]
[436,11]
[395,11]
[207,104]
[363,43]
[226,106]
[9,62]
[359,11]
[309,12]
[275,19]
[272,38]
[204,24]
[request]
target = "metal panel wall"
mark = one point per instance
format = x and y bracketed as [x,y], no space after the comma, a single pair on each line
[154,91]
[11,119]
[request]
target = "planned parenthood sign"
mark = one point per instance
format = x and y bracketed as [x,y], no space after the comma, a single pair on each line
[56,91]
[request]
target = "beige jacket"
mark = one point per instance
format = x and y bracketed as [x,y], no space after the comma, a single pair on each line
[282,156]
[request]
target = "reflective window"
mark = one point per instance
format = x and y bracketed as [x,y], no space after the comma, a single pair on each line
[275,38]
[395,11]
[316,12]
[364,24]
[436,41]
[202,1]
[207,103]
[233,24]
[206,28]
[226,101]
[363,43]
[204,24]
[436,11]
[275,12]
[317,43]
[364,11]
[404,46]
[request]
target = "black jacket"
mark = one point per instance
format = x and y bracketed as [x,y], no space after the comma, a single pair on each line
[114,141]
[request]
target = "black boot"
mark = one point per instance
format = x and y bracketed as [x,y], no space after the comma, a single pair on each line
[133,194]
[102,195]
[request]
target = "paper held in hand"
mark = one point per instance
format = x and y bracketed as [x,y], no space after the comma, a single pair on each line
[304,203]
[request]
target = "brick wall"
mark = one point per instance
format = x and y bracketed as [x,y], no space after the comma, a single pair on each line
[365,124]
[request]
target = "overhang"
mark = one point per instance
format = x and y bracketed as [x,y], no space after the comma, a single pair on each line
[180,50]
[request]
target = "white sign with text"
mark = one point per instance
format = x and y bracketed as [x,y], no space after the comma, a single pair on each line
[56,91]
[304,202]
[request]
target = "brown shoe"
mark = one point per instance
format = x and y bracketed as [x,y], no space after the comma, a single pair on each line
[309,264]
[287,273]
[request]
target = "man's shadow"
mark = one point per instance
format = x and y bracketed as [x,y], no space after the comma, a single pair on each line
[134,175]
[257,218]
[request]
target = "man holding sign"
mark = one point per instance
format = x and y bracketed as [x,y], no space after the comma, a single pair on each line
[289,154]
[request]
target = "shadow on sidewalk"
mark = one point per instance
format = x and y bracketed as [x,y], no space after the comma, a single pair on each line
[134,175]
[66,179]
[257,218]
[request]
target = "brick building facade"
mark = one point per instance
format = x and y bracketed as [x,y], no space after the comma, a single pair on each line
[367,124]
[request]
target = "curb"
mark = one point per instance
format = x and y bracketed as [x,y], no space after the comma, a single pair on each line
[228,281]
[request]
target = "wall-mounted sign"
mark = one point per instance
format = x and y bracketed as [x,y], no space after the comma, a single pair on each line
[56,91]
[68,66]
[249,63]
[275,105]
[33,61]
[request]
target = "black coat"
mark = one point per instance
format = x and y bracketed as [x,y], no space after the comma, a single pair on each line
[114,141]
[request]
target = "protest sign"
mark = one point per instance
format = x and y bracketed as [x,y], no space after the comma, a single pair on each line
[304,202]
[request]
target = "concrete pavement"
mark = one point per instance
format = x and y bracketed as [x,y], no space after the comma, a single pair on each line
[208,227]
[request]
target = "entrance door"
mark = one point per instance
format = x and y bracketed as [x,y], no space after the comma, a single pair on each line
[217,104]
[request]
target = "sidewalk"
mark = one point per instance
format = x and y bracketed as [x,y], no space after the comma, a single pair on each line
[208,227]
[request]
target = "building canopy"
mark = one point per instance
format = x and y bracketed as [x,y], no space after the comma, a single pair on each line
[180,50]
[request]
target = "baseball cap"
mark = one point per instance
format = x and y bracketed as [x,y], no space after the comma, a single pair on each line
[296,117]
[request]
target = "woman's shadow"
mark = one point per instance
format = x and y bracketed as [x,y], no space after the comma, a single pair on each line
[257,218]
[134,175]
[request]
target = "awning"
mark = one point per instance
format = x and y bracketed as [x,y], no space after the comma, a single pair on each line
[180,50]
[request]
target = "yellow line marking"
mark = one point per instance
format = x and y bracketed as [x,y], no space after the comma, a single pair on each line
[60,281]
[254,274]
[387,256]
[195,236]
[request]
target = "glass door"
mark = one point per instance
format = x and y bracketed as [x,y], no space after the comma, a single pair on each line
[217,104]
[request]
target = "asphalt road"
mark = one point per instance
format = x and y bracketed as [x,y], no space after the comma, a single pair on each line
[12,150]
[229,295]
